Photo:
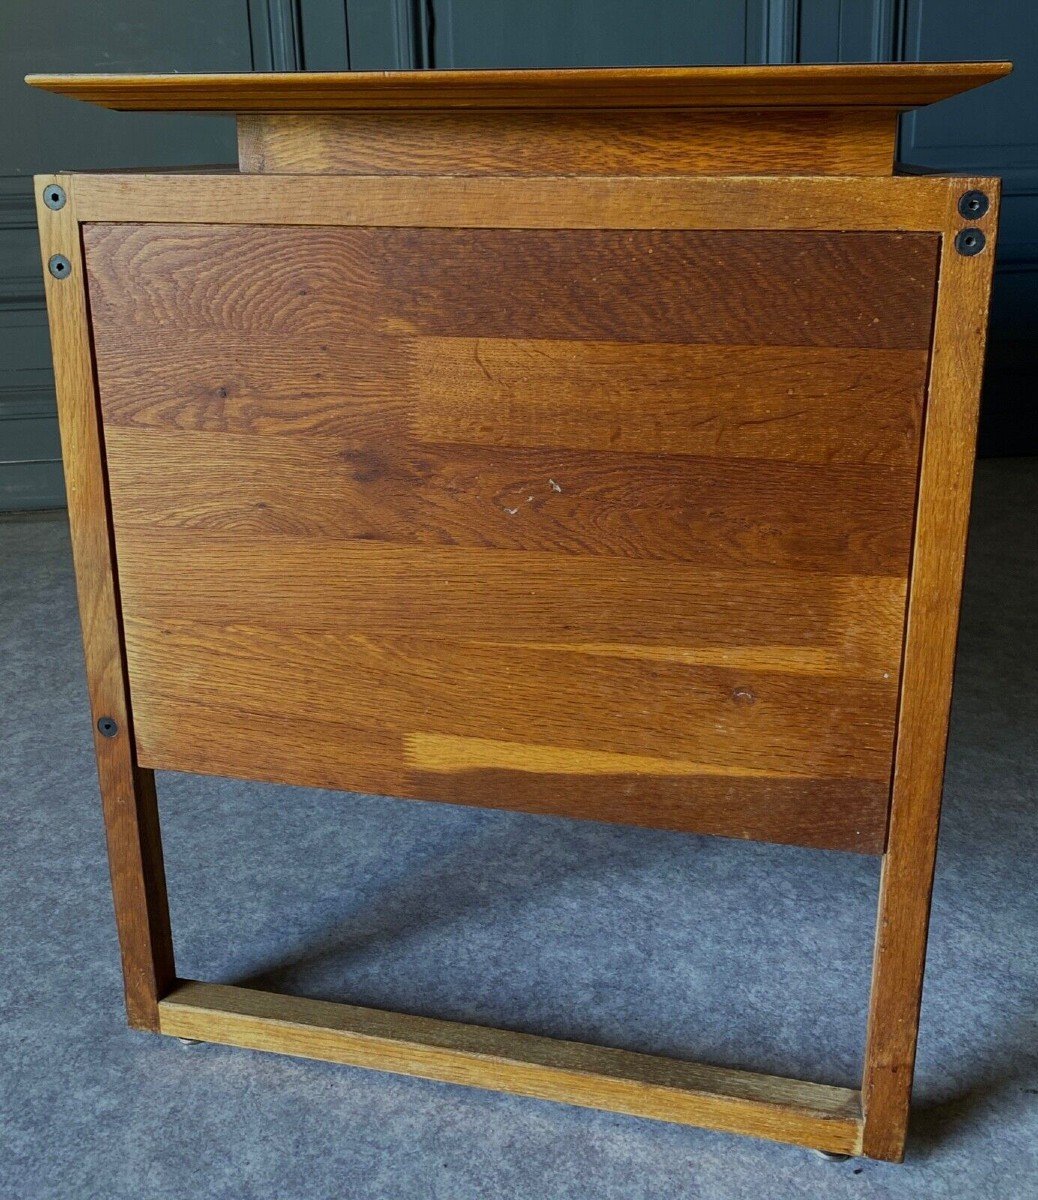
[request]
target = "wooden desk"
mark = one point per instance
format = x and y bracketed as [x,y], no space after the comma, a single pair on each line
[594,443]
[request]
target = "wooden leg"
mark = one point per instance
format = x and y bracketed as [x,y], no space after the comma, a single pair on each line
[138,884]
[929,656]
[127,791]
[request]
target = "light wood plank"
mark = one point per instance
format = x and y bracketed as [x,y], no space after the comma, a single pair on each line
[933,615]
[802,724]
[917,203]
[787,622]
[127,790]
[785,1110]
[835,141]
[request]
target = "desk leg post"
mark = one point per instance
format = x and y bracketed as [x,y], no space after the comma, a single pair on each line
[127,790]
[938,555]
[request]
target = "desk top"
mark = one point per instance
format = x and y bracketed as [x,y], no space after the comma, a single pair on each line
[865,85]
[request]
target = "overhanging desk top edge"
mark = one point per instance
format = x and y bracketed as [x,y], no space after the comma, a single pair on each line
[855,85]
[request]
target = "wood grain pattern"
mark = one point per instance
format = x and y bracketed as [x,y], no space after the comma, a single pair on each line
[835,141]
[933,614]
[749,402]
[898,203]
[887,85]
[786,1110]
[792,622]
[870,290]
[708,720]
[481,613]
[127,790]
[716,512]
[734,402]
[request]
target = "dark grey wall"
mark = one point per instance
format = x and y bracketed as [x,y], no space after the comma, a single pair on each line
[993,130]
[41,133]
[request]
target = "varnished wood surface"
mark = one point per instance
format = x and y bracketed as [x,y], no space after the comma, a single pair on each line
[874,291]
[785,1110]
[759,611]
[127,790]
[898,204]
[834,141]
[885,85]
[419,558]
[487,392]
[715,512]
[933,615]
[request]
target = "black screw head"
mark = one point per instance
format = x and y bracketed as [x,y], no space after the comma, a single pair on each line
[59,266]
[970,241]
[973,204]
[54,196]
[107,727]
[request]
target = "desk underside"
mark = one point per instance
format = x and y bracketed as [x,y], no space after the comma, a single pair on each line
[605,523]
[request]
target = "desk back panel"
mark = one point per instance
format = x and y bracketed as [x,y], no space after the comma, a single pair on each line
[602,523]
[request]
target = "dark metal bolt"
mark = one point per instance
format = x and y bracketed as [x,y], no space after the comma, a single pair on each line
[970,241]
[54,196]
[108,727]
[59,266]
[973,204]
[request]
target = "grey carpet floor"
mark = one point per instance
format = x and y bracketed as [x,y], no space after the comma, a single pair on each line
[732,953]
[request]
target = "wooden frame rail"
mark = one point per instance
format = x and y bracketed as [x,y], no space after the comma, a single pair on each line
[642,1085]
[873,1122]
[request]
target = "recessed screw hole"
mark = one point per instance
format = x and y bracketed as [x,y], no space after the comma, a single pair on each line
[970,241]
[54,196]
[973,203]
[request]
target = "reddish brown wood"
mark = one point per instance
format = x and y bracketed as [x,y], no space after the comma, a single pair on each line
[762,404]
[871,290]
[476,606]
[715,512]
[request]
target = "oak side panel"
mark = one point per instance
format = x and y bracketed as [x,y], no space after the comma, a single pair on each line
[786,1110]
[835,141]
[480,613]
[932,626]
[127,791]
